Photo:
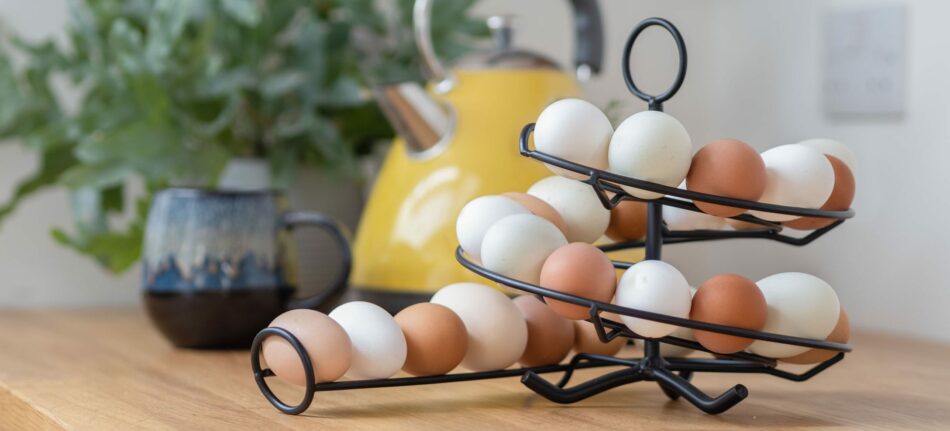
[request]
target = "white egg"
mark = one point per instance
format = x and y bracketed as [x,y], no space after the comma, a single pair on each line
[834,148]
[518,245]
[497,332]
[651,146]
[575,130]
[671,351]
[578,204]
[478,215]
[797,176]
[655,286]
[378,345]
[800,305]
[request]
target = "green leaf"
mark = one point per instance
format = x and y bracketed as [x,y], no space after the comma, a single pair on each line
[246,12]
[125,42]
[116,251]
[52,163]
[165,26]
[98,176]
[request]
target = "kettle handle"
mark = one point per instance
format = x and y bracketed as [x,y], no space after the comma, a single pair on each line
[588,31]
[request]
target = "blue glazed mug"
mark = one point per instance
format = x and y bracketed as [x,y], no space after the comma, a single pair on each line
[220,265]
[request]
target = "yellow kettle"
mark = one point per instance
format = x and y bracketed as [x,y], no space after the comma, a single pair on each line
[458,140]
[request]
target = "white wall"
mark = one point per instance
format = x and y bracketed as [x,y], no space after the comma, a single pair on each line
[754,74]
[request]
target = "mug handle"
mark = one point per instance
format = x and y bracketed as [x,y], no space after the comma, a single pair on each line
[290,220]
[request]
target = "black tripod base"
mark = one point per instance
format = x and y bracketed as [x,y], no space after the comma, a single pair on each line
[673,385]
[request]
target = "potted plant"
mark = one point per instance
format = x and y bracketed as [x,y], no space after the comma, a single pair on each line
[171,92]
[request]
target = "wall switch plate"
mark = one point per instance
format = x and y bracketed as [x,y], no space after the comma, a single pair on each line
[864,61]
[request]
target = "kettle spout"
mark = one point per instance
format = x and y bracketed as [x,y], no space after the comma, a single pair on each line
[417,116]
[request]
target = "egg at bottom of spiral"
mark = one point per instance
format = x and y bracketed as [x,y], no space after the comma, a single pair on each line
[729,300]
[539,208]
[550,337]
[729,168]
[436,339]
[324,339]
[497,333]
[841,334]
[840,200]
[378,345]
[587,341]
[628,221]
[582,270]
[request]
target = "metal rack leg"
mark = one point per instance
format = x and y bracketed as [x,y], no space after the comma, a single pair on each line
[680,385]
[584,390]
[673,395]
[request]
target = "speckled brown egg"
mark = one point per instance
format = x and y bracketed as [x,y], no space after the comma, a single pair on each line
[578,269]
[324,340]
[539,208]
[436,339]
[841,334]
[550,336]
[730,168]
[628,221]
[840,199]
[586,340]
[730,300]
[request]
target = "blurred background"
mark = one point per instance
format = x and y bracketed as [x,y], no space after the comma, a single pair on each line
[761,71]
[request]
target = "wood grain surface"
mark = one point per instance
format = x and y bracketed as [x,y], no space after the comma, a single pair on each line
[109,370]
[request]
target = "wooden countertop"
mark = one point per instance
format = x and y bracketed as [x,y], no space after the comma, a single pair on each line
[105,370]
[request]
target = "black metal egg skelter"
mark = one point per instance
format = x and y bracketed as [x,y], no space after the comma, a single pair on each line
[671,374]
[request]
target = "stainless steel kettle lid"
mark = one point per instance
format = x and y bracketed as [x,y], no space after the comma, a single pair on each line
[588,55]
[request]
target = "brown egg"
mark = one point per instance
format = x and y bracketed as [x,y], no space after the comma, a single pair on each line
[539,208]
[730,168]
[731,300]
[436,339]
[841,334]
[840,199]
[550,336]
[325,341]
[586,340]
[582,270]
[628,221]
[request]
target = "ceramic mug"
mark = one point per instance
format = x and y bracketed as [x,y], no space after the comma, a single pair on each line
[220,265]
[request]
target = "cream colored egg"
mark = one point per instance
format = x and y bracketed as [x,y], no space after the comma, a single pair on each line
[796,176]
[497,332]
[657,287]
[671,351]
[378,345]
[578,204]
[478,215]
[517,246]
[574,130]
[799,305]
[651,146]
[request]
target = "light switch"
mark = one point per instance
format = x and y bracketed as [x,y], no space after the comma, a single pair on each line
[864,56]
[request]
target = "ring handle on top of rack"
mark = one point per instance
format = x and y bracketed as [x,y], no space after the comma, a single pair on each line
[259,373]
[655,102]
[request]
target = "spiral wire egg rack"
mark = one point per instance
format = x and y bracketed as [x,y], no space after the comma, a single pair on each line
[673,375]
